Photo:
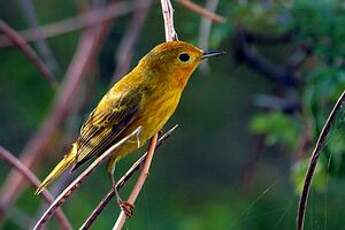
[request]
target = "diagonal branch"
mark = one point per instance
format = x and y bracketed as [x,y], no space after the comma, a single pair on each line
[202,11]
[75,184]
[124,53]
[89,19]
[314,159]
[20,42]
[32,153]
[41,44]
[243,52]
[130,172]
[15,163]
[140,182]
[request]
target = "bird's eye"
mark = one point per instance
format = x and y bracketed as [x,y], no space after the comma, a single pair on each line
[184,57]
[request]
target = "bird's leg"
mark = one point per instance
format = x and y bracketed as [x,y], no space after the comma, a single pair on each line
[138,137]
[124,205]
[161,132]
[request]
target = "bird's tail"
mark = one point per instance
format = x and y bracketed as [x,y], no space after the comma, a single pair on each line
[65,163]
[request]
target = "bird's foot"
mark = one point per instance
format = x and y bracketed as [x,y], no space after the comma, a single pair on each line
[127,208]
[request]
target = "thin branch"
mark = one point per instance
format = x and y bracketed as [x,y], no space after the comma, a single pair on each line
[206,24]
[140,182]
[41,44]
[245,53]
[90,19]
[122,181]
[314,159]
[15,163]
[20,42]
[202,11]
[75,183]
[168,18]
[205,30]
[124,53]
[32,153]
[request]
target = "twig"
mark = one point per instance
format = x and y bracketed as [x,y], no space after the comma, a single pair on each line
[32,154]
[42,46]
[202,11]
[314,159]
[244,53]
[168,18]
[20,42]
[125,50]
[206,24]
[140,182]
[121,182]
[205,30]
[75,183]
[15,163]
[90,19]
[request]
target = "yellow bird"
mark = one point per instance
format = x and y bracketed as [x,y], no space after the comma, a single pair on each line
[146,97]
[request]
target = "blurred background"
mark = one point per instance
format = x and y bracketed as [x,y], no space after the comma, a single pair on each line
[247,120]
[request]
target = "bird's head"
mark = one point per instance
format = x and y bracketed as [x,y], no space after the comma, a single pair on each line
[175,61]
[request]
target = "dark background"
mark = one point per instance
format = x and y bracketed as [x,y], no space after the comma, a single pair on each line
[247,123]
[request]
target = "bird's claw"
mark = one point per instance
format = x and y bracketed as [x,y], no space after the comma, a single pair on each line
[127,208]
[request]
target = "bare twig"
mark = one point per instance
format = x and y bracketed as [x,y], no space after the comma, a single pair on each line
[124,53]
[15,163]
[202,11]
[18,41]
[90,19]
[32,154]
[206,24]
[245,53]
[314,159]
[42,46]
[168,18]
[205,30]
[140,182]
[75,184]
[121,182]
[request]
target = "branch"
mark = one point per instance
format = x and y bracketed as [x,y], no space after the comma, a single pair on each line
[75,183]
[130,172]
[168,18]
[140,182]
[206,24]
[205,30]
[15,163]
[202,11]
[32,153]
[90,19]
[125,50]
[41,44]
[20,42]
[314,159]
[244,53]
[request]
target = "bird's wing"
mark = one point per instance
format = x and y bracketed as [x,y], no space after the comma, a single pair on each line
[104,125]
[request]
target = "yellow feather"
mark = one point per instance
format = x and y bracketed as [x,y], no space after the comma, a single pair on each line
[146,97]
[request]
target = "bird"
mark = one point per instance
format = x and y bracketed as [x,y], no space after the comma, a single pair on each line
[146,97]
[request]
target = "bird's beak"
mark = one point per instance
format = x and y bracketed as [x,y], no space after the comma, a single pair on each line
[206,55]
